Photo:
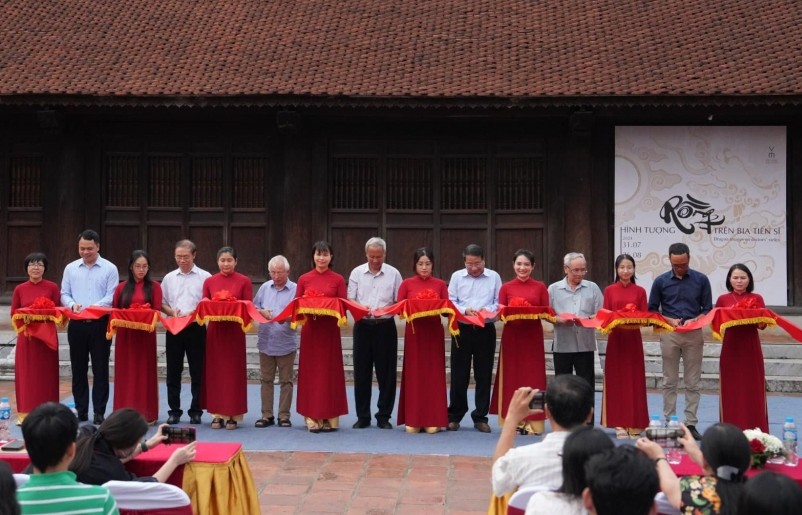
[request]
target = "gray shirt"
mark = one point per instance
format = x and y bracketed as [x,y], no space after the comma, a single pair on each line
[585,301]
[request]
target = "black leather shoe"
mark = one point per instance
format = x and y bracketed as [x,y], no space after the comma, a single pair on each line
[482,427]
[453,426]
[384,424]
[694,433]
[99,418]
[361,424]
[195,419]
[173,419]
[83,418]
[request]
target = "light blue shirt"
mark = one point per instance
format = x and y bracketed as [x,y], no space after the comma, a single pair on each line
[89,285]
[467,291]
[585,301]
[276,339]
[374,290]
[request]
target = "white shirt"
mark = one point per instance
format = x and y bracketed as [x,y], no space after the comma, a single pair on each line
[183,291]
[549,503]
[374,290]
[537,464]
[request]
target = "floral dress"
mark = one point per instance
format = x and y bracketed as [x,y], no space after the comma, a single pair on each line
[699,496]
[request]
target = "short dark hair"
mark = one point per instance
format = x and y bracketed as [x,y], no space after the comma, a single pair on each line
[421,252]
[322,246]
[89,235]
[622,481]
[678,249]
[742,267]
[34,257]
[48,431]
[473,250]
[569,399]
[583,442]
[770,492]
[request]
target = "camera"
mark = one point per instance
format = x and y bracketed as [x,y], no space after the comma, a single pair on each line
[665,437]
[179,434]
[538,401]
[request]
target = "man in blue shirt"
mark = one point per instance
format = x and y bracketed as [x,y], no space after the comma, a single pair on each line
[472,289]
[277,342]
[682,295]
[89,281]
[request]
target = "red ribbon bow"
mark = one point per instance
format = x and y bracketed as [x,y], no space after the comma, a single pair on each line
[518,302]
[427,294]
[42,303]
[224,296]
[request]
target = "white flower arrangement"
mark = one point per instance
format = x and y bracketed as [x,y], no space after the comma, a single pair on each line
[771,443]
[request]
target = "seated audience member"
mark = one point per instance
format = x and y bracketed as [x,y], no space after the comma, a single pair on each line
[770,492]
[8,491]
[49,432]
[569,403]
[724,457]
[103,451]
[621,481]
[583,443]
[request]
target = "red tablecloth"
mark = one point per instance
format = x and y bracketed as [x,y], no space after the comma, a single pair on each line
[689,468]
[18,460]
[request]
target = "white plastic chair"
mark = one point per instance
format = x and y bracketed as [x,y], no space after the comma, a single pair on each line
[21,479]
[151,498]
[519,500]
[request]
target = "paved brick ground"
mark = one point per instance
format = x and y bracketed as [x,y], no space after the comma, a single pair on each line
[355,483]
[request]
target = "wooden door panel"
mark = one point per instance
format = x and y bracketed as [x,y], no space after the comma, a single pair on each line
[510,240]
[249,242]
[161,248]
[116,244]
[401,247]
[349,248]
[452,243]
[208,240]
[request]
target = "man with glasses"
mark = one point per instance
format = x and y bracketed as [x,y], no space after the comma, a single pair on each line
[472,289]
[682,295]
[574,346]
[89,281]
[277,343]
[182,290]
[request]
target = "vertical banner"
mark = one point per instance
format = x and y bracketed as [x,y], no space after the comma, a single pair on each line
[720,190]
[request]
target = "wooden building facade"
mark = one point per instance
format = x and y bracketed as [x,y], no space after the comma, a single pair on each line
[310,121]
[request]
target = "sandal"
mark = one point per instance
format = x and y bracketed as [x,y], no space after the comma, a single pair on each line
[217,423]
[231,424]
[265,422]
[313,428]
[327,427]
[621,433]
[284,422]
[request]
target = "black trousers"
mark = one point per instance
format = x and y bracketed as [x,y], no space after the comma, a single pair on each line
[375,346]
[192,343]
[87,339]
[477,344]
[582,362]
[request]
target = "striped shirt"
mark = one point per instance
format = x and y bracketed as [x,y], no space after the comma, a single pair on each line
[59,492]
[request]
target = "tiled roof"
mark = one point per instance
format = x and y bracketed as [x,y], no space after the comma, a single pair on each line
[401,49]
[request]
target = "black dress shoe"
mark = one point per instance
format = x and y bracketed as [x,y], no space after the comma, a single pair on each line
[195,419]
[384,424]
[694,433]
[173,419]
[99,418]
[83,418]
[361,424]
[453,426]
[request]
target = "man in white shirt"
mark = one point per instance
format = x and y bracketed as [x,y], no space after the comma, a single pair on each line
[569,403]
[375,285]
[182,290]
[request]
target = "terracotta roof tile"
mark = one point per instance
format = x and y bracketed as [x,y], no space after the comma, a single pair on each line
[406,48]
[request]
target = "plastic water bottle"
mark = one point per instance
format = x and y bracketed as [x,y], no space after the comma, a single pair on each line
[655,423]
[71,405]
[5,418]
[673,449]
[790,439]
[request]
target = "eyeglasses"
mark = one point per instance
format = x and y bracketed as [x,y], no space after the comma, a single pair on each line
[141,267]
[35,265]
[477,264]
[182,257]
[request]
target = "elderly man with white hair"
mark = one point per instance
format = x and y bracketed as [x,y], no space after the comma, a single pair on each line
[375,285]
[278,343]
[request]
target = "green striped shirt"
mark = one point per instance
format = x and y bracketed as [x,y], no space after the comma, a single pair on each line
[60,493]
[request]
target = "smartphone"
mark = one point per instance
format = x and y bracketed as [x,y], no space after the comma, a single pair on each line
[538,401]
[14,445]
[665,437]
[179,434]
